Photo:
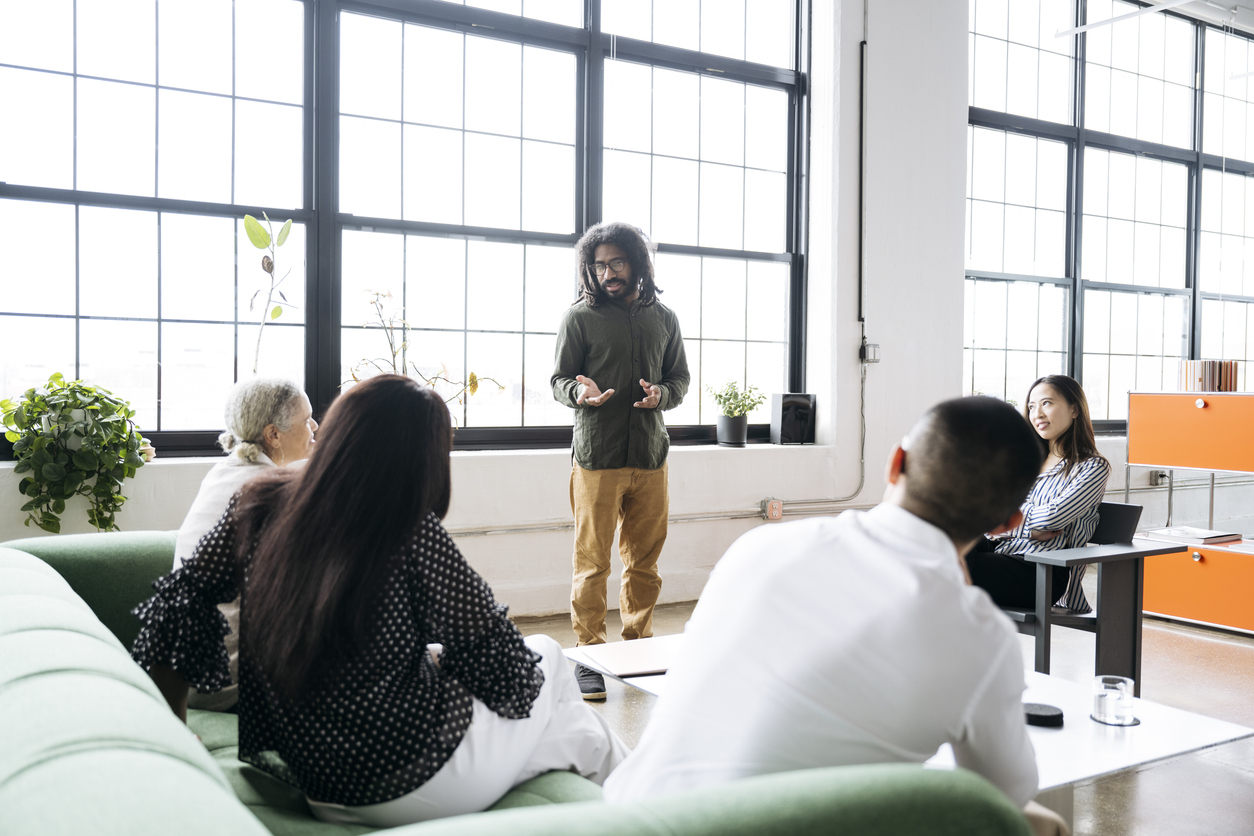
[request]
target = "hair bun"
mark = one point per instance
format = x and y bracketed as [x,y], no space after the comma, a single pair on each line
[249,451]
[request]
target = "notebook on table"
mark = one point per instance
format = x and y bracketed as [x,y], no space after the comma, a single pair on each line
[635,658]
[1193,536]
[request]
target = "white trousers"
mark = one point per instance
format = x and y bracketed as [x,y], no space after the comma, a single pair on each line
[497,754]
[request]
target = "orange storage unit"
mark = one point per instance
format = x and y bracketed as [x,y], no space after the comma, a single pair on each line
[1170,431]
[1214,590]
[1212,431]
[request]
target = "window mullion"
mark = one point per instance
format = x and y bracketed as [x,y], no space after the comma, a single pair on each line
[323,279]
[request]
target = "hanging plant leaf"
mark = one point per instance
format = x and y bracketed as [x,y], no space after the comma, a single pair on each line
[256,232]
[287,227]
[274,314]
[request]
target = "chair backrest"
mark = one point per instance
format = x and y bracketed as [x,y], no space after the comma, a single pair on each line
[1116,523]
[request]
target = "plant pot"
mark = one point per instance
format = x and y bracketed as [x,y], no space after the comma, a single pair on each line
[75,440]
[732,430]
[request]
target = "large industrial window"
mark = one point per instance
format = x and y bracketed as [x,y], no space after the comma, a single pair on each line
[146,129]
[438,161]
[1112,237]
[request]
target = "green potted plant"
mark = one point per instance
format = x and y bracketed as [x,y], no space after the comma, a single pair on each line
[72,439]
[733,424]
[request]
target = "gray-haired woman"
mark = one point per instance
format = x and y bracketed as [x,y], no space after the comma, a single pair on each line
[269,424]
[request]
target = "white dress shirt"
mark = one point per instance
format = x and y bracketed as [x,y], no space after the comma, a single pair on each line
[831,641]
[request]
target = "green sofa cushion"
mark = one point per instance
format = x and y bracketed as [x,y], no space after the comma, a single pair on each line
[282,808]
[112,572]
[877,800]
[89,744]
[29,653]
[120,792]
[549,788]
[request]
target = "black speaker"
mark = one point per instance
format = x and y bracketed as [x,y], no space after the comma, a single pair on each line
[792,419]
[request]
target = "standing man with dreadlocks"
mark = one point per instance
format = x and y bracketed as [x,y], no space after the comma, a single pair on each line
[617,337]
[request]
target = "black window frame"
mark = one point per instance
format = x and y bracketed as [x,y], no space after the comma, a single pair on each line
[1077,138]
[324,224]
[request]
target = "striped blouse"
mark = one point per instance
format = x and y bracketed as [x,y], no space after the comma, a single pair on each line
[1065,502]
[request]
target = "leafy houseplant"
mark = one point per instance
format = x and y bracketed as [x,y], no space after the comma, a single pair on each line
[71,439]
[263,238]
[735,405]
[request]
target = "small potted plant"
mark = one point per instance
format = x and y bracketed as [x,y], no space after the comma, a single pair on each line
[733,424]
[71,439]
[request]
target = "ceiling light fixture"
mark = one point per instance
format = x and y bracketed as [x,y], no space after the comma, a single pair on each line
[1169,4]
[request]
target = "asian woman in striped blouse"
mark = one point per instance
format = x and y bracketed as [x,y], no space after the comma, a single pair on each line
[1061,510]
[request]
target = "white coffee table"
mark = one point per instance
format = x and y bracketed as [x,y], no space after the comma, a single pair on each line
[1082,749]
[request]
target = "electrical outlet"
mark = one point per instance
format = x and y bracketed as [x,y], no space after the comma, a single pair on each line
[1158,477]
[772,509]
[869,352]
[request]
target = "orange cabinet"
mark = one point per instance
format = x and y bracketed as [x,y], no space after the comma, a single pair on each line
[1169,430]
[1217,589]
[1205,431]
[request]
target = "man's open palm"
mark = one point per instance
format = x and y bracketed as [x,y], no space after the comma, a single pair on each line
[652,395]
[590,393]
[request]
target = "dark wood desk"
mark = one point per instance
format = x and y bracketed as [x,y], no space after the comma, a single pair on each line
[1117,611]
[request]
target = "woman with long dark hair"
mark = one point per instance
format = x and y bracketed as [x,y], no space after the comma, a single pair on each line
[1061,510]
[377,673]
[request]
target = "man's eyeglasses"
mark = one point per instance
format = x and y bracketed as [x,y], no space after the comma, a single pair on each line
[616,264]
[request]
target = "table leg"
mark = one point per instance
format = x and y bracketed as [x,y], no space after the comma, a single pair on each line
[1061,800]
[1120,585]
[1044,611]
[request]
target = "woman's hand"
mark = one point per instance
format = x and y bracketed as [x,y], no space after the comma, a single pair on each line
[1043,535]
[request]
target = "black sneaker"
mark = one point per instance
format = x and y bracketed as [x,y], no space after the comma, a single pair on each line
[591,683]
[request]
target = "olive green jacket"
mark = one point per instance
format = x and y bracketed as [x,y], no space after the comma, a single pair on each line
[617,345]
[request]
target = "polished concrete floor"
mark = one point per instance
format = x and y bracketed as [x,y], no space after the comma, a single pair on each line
[1209,672]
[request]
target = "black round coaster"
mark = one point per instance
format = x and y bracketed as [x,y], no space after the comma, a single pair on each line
[1039,714]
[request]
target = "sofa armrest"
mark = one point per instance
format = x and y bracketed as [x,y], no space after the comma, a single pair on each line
[881,799]
[112,572]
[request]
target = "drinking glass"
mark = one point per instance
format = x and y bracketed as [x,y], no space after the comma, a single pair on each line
[1112,700]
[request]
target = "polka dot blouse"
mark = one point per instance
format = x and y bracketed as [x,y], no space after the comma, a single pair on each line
[392,718]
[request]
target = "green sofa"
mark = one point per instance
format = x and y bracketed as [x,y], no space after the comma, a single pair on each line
[88,745]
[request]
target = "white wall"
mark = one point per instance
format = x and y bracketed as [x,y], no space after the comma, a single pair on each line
[511,517]
[917,115]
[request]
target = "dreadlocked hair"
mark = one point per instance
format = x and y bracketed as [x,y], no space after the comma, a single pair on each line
[630,240]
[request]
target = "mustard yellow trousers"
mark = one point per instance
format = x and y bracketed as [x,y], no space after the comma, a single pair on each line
[602,501]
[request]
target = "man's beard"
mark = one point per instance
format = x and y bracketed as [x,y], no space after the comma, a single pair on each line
[622,289]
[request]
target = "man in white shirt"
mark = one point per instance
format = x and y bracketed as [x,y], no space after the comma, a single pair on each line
[859,639]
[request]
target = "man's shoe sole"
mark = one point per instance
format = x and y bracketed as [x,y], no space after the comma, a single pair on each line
[595,695]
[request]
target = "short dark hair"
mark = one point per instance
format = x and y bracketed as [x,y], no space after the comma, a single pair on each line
[325,539]
[638,248]
[970,463]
